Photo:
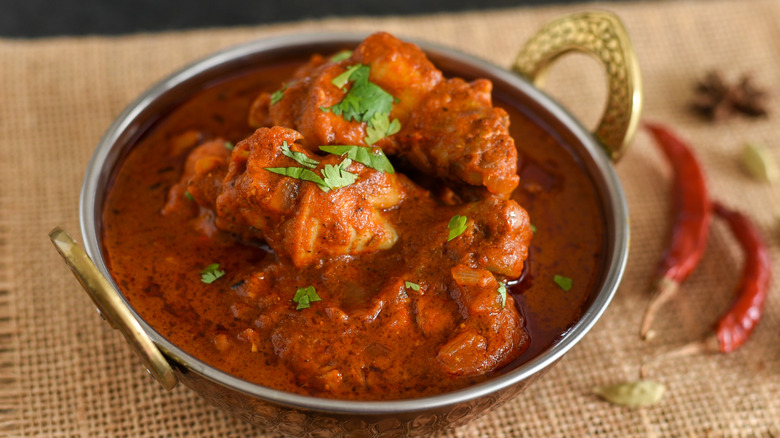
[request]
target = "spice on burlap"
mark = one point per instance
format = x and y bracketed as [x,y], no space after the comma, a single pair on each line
[640,393]
[716,98]
[759,163]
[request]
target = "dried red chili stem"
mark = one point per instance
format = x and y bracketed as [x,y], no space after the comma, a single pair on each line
[707,345]
[692,215]
[737,324]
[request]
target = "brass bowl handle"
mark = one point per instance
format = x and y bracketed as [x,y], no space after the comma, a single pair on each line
[111,306]
[601,35]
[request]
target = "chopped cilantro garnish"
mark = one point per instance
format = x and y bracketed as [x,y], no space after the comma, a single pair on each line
[456,226]
[502,293]
[412,286]
[210,273]
[533,228]
[301,174]
[340,56]
[333,177]
[188,195]
[380,127]
[299,157]
[278,94]
[365,102]
[229,145]
[565,283]
[364,99]
[337,176]
[369,157]
[342,79]
[304,296]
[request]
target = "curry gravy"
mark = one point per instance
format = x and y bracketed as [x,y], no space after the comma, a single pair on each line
[156,260]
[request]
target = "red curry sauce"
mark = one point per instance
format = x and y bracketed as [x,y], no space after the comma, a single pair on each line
[156,260]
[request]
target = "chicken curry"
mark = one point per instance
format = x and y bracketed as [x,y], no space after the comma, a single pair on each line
[354,226]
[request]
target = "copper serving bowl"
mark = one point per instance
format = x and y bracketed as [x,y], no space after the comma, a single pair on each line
[598,34]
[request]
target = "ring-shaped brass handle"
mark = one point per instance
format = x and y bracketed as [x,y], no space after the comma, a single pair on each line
[111,306]
[601,35]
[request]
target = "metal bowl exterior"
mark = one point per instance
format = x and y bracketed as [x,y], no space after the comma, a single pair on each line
[300,415]
[296,421]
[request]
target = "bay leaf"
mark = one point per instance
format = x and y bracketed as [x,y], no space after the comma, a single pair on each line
[632,394]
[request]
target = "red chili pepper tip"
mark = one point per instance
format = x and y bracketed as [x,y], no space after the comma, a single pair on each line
[737,324]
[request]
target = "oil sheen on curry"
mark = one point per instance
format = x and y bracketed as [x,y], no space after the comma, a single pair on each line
[356,225]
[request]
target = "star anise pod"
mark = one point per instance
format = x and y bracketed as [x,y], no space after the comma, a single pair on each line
[717,99]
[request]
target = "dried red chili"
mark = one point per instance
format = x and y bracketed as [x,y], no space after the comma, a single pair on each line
[736,325]
[692,215]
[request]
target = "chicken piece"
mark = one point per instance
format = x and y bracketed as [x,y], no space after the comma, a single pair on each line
[299,107]
[328,350]
[491,333]
[457,135]
[449,128]
[204,170]
[195,195]
[293,92]
[296,217]
[400,69]
[497,235]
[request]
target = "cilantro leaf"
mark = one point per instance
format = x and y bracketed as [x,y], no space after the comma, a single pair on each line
[229,146]
[380,127]
[189,196]
[364,99]
[278,94]
[564,283]
[299,157]
[211,273]
[303,303]
[337,176]
[456,226]
[342,79]
[333,177]
[301,174]
[374,158]
[365,102]
[340,56]
[412,286]
[533,228]
[502,293]
[304,296]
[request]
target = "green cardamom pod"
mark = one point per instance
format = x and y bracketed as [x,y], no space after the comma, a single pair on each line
[759,163]
[633,394]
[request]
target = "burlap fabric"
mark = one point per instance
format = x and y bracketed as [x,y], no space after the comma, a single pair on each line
[64,372]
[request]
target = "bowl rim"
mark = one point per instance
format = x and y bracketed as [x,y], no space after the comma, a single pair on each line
[612,195]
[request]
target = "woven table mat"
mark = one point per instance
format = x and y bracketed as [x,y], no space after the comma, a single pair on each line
[64,372]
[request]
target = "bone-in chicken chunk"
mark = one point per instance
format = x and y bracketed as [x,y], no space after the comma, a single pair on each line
[298,218]
[446,128]
[496,238]
[491,334]
[456,134]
